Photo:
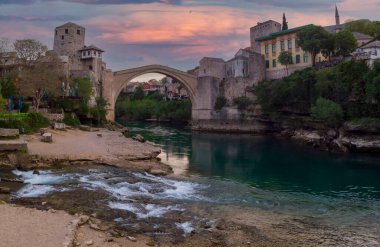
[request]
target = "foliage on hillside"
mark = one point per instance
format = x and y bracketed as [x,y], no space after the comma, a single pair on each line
[153,107]
[368,27]
[351,85]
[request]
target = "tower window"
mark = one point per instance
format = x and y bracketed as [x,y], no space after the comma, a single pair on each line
[88,53]
[78,32]
[66,31]
[62,37]
[90,67]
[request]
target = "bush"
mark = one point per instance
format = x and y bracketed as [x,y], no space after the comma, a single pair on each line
[71,119]
[25,107]
[242,103]
[328,111]
[220,103]
[26,123]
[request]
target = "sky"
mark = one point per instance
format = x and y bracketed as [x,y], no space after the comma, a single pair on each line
[176,33]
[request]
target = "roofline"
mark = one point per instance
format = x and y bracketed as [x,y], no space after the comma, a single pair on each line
[279,33]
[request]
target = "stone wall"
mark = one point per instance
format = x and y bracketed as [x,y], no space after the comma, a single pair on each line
[281,73]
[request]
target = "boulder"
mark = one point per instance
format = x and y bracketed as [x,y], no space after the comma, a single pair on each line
[5,190]
[43,131]
[85,127]
[59,126]
[124,130]
[139,138]
[47,137]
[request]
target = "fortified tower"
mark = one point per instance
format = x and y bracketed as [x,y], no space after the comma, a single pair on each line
[68,40]
[261,30]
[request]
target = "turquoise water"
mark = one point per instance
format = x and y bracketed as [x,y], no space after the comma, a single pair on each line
[272,173]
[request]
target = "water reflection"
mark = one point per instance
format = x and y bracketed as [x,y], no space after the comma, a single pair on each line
[265,162]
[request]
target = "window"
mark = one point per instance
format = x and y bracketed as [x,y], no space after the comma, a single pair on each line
[267,64]
[95,53]
[291,60]
[66,31]
[273,48]
[274,63]
[266,49]
[282,45]
[62,37]
[298,59]
[305,58]
[88,53]
[90,67]
[297,45]
[290,44]
[78,32]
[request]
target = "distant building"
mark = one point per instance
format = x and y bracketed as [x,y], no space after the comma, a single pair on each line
[369,52]
[81,60]
[273,44]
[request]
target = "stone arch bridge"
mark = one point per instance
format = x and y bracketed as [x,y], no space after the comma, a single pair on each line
[202,93]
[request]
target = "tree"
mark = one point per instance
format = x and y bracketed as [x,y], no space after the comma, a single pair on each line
[285,58]
[327,111]
[284,23]
[28,51]
[328,46]
[85,89]
[42,78]
[139,93]
[345,43]
[312,39]
[368,27]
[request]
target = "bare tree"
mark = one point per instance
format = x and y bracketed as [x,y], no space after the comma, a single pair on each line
[29,50]
[42,78]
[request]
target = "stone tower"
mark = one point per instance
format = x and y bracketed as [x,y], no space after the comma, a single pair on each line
[261,30]
[337,18]
[68,40]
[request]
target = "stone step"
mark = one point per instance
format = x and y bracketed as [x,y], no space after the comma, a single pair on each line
[13,145]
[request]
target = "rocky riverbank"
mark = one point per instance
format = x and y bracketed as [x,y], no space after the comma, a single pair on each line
[350,137]
[101,146]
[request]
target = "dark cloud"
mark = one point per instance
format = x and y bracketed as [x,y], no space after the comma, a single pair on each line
[296,4]
[94,1]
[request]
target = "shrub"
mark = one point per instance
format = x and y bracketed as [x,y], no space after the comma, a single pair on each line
[220,103]
[242,103]
[328,111]
[71,119]
[26,123]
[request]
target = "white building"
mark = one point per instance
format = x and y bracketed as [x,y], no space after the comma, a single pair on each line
[368,52]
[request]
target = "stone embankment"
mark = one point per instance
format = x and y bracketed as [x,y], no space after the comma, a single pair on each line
[346,139]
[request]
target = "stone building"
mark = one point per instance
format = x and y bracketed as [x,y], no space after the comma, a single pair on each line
[81,60]
[261,30]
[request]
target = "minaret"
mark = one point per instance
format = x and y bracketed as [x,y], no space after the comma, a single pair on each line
[337,18]
[284,23]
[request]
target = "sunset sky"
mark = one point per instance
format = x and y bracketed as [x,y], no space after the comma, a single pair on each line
[177,33]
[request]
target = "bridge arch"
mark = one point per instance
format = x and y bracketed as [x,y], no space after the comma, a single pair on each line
[120,79]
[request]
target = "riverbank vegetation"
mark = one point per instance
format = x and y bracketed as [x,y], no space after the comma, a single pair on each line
[346,92]
[138,107]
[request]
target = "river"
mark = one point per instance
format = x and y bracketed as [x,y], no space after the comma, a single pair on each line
[334,195]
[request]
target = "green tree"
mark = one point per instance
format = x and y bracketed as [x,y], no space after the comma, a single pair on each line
[99,111]
[327,111]
[285,58]
[368,27]
[139,93]
[372,89]
[85,89]
[8,87]
[345,43]
[328,46]
[313,39]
